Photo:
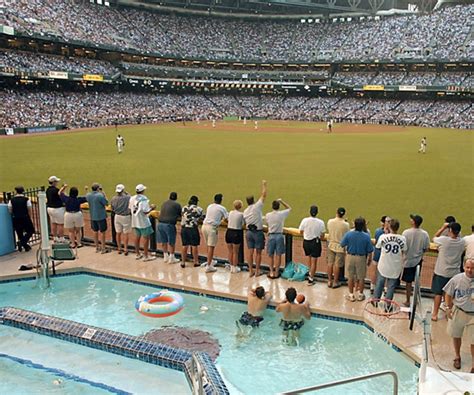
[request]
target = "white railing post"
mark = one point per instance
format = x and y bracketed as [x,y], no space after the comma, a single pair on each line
[43,259]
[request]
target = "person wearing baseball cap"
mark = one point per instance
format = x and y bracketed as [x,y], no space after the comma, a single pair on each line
[122,217]
[450,250]
[337,228]
[140,207]
[55,209]
[418,242]
[98,215]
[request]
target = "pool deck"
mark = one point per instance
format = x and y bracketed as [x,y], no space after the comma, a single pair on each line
[322,299]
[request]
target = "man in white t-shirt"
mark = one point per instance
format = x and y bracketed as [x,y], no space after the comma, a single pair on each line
[140,208]
[215,213]
[418,241]
[312,228]
[253,217]
[469,242]
[448,263]
[390,266]
[276,241]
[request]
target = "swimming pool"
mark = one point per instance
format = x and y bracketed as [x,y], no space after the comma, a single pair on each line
[329,350]
[32,363]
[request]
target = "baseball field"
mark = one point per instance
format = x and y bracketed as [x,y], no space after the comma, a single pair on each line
[369,169]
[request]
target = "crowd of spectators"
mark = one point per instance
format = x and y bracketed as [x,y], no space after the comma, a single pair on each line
[36,62]
[90,109]
[444,34]
[40,62]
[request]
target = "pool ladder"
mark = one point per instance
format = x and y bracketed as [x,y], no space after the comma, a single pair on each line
[197,376]
[347,381]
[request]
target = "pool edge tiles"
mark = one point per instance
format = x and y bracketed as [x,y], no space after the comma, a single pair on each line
[115,342]
[218,296]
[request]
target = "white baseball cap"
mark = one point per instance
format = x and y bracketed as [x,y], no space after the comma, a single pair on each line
[53,179]
[119,188]
[140,188]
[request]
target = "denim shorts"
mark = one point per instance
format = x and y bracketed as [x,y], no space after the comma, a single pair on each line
[255,239]
[276,244]
[166,233]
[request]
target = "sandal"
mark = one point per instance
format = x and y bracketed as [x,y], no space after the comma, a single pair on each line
[329,284]
[336,285]
[457,363]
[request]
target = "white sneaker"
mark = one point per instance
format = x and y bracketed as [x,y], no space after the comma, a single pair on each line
[229,267]
[172,259]
[236,269]
[351,298]
[204,264]
[211,268]
[166,257]
[443,306]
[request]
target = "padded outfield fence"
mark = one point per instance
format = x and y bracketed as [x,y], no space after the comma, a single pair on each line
[293,243]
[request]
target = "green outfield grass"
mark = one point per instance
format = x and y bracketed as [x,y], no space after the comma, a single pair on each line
[369,170]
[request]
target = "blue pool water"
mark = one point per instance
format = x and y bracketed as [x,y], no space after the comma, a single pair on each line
[329,350]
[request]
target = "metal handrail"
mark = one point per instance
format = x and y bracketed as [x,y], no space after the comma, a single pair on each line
[349,380]
[197,373]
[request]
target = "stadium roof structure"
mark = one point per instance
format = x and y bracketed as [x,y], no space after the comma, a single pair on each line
[284,8]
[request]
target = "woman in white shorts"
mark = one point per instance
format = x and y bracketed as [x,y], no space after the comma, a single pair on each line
[73,218]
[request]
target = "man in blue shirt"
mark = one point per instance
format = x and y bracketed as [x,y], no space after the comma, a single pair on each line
[359,250]
[98,215]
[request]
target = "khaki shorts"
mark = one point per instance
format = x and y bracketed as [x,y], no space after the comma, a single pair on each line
[123,223]
[356,267]
[56,215]
[335,258]
[73,220]
[209,233]
[459,322]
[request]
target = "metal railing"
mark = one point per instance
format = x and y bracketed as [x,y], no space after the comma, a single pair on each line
[347,381]
[197,376]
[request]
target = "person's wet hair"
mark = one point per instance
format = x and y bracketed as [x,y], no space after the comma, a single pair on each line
[290,294]
[359,224]
[173,196]
[260,292]
[313,210]
[218,198]
[193,200]
[250,200]
[275,205]
[394,224]
[73,192]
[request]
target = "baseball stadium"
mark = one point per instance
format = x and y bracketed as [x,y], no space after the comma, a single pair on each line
[236,197]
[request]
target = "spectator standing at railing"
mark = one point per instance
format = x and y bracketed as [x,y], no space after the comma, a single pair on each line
[170,212]
[73,218]
[55,209]
[215,214]
[337,228]
[20,209]
[393,247]
[234,235]
[191,215]
[384,228]
[359,255]
[122,217]
[448,263]
[276,241]
[97,209]
[253,217]
[140,208]
[418,242]
[311,228]
[469,242]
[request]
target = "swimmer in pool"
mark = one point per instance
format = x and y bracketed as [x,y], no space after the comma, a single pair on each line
[257,302]
[293,317]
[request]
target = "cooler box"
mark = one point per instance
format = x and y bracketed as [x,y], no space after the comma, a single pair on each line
[7,241]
